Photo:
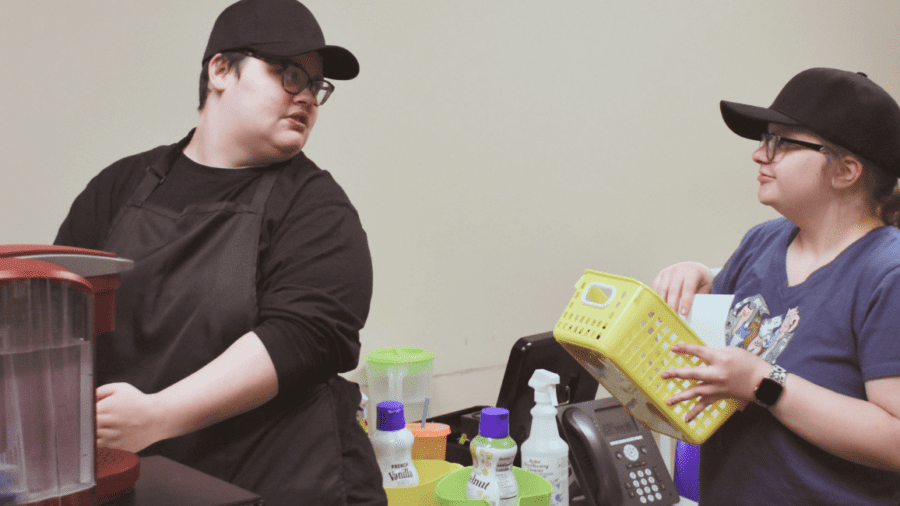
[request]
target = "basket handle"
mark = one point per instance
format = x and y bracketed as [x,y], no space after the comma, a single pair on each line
[593,288]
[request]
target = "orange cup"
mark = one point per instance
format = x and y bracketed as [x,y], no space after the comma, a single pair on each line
[431,440]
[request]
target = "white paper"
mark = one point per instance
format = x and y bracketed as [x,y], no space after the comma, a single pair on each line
[707,318]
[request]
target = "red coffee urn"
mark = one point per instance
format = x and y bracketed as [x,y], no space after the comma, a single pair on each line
[53,302]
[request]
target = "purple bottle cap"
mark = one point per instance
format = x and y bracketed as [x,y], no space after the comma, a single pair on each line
[390,416]
[494,423]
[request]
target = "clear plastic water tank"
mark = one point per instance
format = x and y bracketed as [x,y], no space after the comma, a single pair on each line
[54,301]
[46,382]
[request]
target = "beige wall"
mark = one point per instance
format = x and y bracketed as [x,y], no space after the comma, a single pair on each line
[494,149]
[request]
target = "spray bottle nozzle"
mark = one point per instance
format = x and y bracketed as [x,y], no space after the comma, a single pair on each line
[544,384]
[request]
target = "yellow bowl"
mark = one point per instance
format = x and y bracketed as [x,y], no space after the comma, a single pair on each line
[430,473]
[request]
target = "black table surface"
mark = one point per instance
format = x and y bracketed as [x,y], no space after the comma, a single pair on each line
[164,482]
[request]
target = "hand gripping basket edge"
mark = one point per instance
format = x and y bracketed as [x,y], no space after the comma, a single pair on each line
[622,333]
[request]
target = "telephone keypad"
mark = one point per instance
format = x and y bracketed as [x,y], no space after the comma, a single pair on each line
[644,486]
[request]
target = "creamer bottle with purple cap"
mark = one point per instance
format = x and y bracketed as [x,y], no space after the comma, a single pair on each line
[393,444]
[493,452]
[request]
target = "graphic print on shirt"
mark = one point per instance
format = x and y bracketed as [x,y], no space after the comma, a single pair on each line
[749,327]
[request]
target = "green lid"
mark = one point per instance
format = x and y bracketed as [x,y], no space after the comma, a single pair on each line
[399,355]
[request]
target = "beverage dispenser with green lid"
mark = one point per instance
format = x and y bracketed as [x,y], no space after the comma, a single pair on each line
[399,374]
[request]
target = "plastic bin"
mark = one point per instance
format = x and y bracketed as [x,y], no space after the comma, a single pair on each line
[533,490]
[622,333]
[430,474]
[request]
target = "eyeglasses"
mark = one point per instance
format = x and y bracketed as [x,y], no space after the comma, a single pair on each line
[295,79]
[772,142]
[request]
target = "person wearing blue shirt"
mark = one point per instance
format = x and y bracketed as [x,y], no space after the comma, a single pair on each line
[820,382]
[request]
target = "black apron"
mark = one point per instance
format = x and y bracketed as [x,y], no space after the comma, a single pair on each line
[191,294]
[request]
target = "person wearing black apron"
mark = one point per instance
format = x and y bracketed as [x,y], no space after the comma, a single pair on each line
[252,278]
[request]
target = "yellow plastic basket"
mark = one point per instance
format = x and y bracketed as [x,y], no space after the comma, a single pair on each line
[622,333]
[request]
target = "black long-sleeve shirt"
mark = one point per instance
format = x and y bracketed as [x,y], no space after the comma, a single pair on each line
[314,277]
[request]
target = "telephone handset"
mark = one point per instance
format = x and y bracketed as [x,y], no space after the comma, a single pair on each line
[615,459]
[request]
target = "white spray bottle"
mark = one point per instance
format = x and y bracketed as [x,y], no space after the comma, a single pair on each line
[544,452]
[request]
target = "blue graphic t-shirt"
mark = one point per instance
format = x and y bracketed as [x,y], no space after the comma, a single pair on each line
[837,329]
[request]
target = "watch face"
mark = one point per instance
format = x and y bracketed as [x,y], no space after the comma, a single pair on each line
[769,391]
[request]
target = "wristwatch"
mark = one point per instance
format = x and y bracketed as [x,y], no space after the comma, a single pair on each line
[769,389]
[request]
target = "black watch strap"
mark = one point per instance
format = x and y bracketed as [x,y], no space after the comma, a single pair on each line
[770,388]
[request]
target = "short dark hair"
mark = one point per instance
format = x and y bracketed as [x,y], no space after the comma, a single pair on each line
[232,59]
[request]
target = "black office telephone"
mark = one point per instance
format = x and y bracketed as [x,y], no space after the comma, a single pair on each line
[615,459]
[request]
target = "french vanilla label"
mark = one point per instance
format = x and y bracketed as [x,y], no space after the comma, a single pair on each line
[399,472]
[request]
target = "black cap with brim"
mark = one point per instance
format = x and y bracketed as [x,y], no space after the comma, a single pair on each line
[277,29]
[844,108]
[751,121]
[337,62]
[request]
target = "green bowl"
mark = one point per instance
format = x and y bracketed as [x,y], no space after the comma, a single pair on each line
[533,490]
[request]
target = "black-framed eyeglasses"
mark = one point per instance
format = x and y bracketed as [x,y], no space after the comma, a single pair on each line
[772,142]
[295,79]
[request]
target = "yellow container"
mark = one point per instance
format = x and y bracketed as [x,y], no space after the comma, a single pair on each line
[622,333]
[430,474]
[431,440]
[533,490]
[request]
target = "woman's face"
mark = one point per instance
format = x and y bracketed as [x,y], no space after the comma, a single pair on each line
[795,180]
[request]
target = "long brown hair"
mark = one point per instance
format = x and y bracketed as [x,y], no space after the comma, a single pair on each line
[882,186]
[883,191]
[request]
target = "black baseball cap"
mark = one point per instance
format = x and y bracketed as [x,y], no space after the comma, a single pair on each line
[277,29]
[845,108]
